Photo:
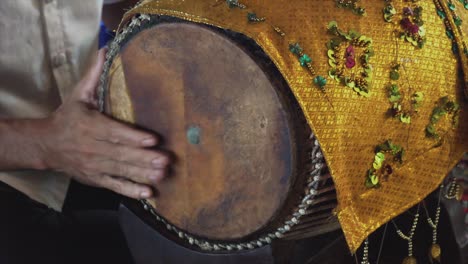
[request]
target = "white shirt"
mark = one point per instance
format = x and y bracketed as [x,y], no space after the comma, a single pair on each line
[45,48]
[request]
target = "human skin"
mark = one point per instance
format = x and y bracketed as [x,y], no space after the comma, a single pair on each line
[86,145]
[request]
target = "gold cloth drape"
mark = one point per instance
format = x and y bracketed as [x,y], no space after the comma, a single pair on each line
[347,125]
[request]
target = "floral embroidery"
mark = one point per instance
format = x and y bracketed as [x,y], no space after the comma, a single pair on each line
[351,5]
[412,29]
[395,97]
[382,166]
[412,25]
[348,56]
[444,107]
[304,59]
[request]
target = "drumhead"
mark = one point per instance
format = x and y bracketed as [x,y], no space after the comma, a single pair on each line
[240,142]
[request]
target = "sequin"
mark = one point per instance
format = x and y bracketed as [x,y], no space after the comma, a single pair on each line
[389,11]
[441,14]
[394,75]
[304,59]
[417,98]
[452,6]
[295,48]
[405,118]
[320,81]
[350,62]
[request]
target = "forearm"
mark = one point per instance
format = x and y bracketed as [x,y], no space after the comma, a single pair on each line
[20,146]
[84,144]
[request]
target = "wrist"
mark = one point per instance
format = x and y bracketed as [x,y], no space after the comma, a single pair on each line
[39,133]
[26,138]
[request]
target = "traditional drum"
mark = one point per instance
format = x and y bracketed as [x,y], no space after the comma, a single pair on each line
[290,119]
[247,167]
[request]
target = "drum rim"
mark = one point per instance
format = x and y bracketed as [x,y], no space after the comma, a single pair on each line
[318,165]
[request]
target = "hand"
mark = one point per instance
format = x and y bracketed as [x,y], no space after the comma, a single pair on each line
[98,151]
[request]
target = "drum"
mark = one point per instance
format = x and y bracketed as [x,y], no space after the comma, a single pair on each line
[248,170]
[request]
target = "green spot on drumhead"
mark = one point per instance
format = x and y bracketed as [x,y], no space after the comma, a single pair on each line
[193,135]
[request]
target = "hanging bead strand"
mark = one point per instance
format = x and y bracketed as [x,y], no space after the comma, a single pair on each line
[410,259]
[454,190]
[435,250]
[365,253]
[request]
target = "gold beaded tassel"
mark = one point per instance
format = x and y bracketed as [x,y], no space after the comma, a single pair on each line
[454,190]
[365,254]
[410,259]
[435,251]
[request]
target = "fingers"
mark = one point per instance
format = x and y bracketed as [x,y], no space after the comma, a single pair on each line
[119,150]
[118,133]
[133,173]
[136,164]
[126,188]
[144,158]
[139,165]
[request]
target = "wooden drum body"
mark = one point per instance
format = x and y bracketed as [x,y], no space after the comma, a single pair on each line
[246,169]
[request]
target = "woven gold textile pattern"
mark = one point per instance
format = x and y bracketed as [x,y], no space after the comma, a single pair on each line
[348,126]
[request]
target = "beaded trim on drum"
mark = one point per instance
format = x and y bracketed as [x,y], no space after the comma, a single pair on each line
[312,190]
[113,49]
[313,182]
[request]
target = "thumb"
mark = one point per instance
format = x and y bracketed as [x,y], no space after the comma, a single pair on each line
[86,90]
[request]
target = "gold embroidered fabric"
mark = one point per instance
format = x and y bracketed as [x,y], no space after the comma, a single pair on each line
[349,126]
